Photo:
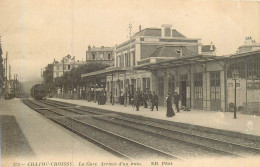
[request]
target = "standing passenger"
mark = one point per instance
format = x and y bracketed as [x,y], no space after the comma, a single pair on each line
[176,101]
[154,101]
[170,111]
[141,98]
[137,100]
[145,100]
[150,96]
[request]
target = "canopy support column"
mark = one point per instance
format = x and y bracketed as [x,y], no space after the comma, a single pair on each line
[112,90]
[125,89]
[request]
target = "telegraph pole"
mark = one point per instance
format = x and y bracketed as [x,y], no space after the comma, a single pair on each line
[128,61]
[6,84]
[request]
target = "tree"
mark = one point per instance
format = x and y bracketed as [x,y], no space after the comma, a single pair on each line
[1,69]
[48,78]
[72,79]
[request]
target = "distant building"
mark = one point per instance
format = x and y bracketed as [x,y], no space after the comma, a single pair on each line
[100,54]
[249,45]
[65,65]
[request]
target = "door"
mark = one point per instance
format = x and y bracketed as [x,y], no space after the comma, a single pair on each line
[161,90]
[215,103]
[183,93]
[198,91]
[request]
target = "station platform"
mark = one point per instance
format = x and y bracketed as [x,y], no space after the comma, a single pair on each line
[248,125]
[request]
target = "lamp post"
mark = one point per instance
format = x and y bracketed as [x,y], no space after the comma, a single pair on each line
[235,76]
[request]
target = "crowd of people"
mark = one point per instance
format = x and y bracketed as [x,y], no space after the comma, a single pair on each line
[151,100]
[147,100]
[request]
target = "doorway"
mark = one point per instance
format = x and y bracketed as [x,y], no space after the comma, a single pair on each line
[183,93]
[161,90]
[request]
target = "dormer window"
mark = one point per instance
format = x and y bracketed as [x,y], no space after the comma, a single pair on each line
[166,30]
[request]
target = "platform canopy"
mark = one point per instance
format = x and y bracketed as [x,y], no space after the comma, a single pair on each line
[106,72]
[155,63]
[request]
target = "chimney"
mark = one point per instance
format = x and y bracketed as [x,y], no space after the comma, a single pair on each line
[89,47]
[211,46]
[140,28]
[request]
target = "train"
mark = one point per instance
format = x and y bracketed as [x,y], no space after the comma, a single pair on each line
[38,92]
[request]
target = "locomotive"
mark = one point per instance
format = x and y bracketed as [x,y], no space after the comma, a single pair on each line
[38,92]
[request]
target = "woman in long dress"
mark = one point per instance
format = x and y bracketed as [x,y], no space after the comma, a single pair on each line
[170,111]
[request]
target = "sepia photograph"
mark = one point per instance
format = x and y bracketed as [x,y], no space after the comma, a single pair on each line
[129,83]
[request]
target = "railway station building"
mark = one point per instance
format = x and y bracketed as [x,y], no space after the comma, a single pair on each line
[163,61]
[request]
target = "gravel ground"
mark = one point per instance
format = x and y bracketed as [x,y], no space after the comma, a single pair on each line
[174,147]
[240,141]
[187,138]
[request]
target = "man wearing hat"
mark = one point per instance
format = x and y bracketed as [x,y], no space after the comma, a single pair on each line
[176,100]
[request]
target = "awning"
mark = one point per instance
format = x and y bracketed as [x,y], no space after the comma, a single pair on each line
[161,62]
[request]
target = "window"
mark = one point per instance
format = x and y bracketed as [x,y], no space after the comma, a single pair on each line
[215,85]
[122,61]
[198,86]
[101,56]
[138,84]
[68,67]
[240,67]
[253,67]
[119,60]
[148,85]
[126,60]
[141,39]
[108,87]
[57,67]
[93,56]
[108,56]
[133,54]
[144,85]
[171,85]
[247,68]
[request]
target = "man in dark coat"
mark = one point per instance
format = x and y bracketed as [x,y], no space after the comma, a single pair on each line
[150,96]
[145,98]
[170,111]
[141,98]
[176,100]
[137,100]
[154,101]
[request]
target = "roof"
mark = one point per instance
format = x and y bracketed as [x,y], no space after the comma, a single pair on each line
[236,55]
[98,49]
[105,72]
[161,63]
[208,48]
[172,51]
[156,32]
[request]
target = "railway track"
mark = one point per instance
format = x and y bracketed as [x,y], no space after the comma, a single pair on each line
[128,134]
[121,146]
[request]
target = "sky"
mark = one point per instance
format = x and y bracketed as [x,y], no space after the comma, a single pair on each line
[35,32]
